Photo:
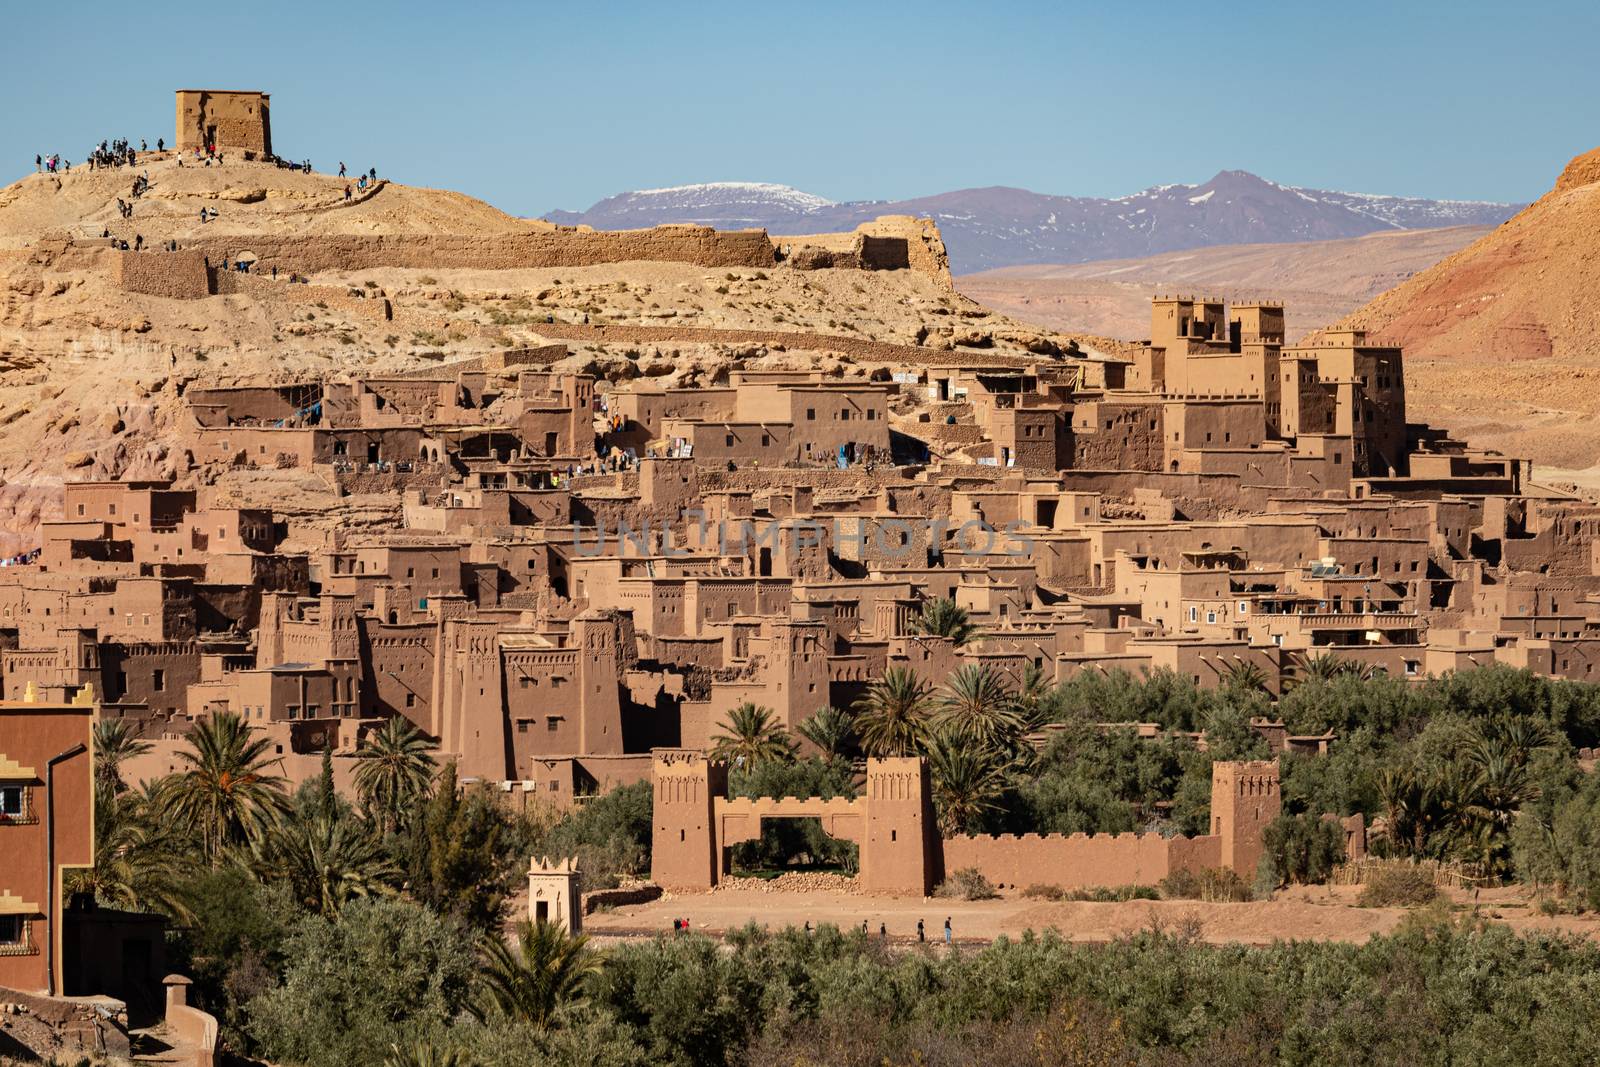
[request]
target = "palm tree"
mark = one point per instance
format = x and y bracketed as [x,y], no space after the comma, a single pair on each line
[1242,676]
[831,731]
[426,1055]
[1038,701]
[968,782]
[393,771]
[114,744]
[548,969]
[226,797]
[139,861]
[943,617]
[977,708]
[1323,666]
[754,736]
[892,718]
[326,861]
[1499,783]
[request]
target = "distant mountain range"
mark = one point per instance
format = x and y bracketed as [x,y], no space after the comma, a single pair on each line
[1000,227]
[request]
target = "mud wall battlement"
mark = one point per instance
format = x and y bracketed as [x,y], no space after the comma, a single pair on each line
[1080,861]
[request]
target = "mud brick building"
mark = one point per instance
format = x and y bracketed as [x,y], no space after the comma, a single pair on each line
[578,576]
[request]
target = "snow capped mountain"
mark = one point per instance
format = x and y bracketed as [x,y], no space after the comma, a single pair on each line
[725,205]
[999,226]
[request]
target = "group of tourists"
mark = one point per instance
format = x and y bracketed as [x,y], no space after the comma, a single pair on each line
[119,152]
[883,930]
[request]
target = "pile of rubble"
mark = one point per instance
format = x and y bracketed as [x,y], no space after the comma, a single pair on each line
[794,882]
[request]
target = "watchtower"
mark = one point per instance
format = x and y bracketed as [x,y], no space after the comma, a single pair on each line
[684,851]
[225,118]
[897,856]
[1245,797]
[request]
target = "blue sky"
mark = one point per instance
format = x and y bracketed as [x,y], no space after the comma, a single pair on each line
[536,106]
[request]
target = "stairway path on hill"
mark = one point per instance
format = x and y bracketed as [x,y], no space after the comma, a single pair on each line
[857,347]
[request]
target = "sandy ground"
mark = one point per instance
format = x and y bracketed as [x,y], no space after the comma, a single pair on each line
[1318,281]
[1319,913]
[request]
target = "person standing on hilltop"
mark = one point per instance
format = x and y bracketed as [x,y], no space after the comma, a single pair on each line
[341,168]
[161,144]
[38,163]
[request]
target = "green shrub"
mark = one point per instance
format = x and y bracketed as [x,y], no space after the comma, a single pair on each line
[386,972]
[1397,885]
[1302,849]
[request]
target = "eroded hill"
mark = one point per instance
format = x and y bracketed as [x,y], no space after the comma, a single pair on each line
[1500,337]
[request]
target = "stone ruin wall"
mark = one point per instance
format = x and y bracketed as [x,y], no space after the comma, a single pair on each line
[177,275]
[889,242]
[857,348]
[372,306]
[1080,861]
[558,247]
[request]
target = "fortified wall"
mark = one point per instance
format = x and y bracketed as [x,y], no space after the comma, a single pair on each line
[696,823]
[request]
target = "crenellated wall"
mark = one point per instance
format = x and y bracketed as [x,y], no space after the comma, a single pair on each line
[1080,861]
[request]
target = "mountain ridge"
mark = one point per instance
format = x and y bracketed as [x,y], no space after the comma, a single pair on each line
[999,226]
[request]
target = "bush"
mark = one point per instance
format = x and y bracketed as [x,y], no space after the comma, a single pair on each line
[966,884]
[1115,894]
[609,835]
[1303,849]
[1217,885]
[1099,894]
[387,972]
[1397,885]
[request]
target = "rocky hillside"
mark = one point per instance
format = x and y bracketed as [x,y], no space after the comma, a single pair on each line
[1528,290]
[92,373]
[1500,337]
[997,227]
